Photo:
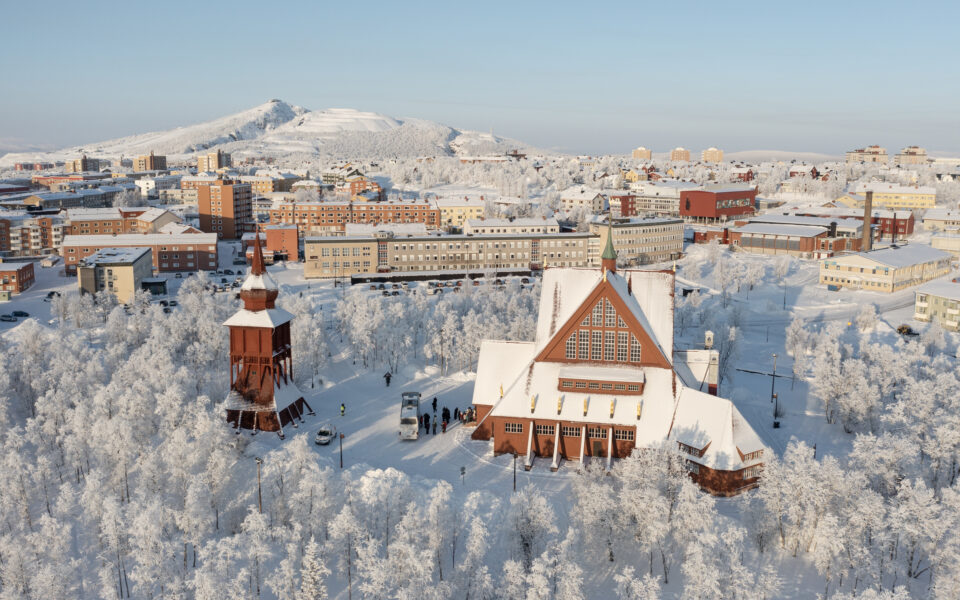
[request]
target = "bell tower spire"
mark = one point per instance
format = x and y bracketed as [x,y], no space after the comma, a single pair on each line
[608,260]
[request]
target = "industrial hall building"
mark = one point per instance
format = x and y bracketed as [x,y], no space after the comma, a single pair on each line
[601,378]
[263,396]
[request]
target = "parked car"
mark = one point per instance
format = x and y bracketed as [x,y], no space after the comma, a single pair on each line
[224,280]
[525,280]
[227,272]
[385,293]
[395,293]
[163,303]
[8,319]
[52,294]
[167,309]
[173,303]
[20,313]
[178,276]
[325,434]
[373,286]
[438,291]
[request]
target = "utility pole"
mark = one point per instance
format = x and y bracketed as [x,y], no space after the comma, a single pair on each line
[514,471]
[341,451]
[259,491]
[773,378]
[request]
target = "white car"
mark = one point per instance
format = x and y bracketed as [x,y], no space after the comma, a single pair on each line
[325,434]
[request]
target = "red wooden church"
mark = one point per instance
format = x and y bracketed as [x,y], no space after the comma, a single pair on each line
[262,395]
[602,377]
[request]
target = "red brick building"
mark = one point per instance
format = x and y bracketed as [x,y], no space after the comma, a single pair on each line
[15,277]
[887,224]
[225,208]
[317,218]
[171,252]
[263,396]
[623,205]
[601,379]
[717,203]
[283,241]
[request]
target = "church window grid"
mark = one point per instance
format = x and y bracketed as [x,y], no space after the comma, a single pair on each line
[634,349]
[621,323]
[598,314]
[623,342]
[608,345]
[610,315]
[596,347]
[567,431]
[584,344]
[571,346]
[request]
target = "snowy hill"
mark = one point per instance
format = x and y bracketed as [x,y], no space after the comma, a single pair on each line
[280,129]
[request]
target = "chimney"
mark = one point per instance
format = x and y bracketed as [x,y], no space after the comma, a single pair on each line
[867,244]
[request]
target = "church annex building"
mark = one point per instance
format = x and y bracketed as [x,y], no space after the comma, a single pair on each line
[600,380]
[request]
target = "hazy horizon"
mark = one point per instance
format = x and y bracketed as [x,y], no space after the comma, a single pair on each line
[749,77]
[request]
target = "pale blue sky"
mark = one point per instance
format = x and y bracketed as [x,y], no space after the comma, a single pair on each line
[579,76]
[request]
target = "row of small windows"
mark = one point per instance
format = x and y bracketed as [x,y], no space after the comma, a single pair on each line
[593,385]
[597,433]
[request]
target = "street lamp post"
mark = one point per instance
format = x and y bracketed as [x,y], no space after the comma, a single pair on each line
[341,451]
[514,471]
[259,491]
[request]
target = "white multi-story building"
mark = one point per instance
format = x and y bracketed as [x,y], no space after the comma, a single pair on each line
[531,225]
[660,197]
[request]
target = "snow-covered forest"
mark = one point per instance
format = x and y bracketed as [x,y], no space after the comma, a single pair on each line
[121,479]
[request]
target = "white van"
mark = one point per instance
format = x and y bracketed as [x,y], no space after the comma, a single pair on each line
[409,415]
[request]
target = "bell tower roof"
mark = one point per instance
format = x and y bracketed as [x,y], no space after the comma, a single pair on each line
[259,290]
[609,257]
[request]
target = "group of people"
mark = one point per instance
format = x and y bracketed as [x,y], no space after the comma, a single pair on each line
[459,415]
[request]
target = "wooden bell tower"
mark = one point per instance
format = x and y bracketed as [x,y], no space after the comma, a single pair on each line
[262,393]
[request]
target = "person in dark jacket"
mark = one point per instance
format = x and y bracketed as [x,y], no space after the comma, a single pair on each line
[456,414]
[426,422]
[445,413]
[434,404]
[387,376]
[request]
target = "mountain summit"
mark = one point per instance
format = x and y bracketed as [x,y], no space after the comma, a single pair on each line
[278,129]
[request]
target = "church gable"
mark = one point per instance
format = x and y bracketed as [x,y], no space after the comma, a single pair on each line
[604,330]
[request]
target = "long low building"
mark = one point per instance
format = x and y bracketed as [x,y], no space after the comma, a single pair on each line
[941,219]
[321,218]
[342,256]
[939,301]
[885,270]
[171,252]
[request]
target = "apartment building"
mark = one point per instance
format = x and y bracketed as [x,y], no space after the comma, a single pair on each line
[15,277]
[213,161]
[118,271]
[869,154]
[622,204]
[320,218]
[582,197]
[712,155]
[939,301]
[340,173]
[268,184]
[150,187]
[639,241]
[885,270]
[358,185]
[911,155]
[948,242]
[27,235]
[225,207]
[82,165]
[455,212]
[660,198]
[511,226]
[106,221]
[891,195]
[150,162]
[171,252]
[338,256]
[680,155]
[641,153]
[282,241]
